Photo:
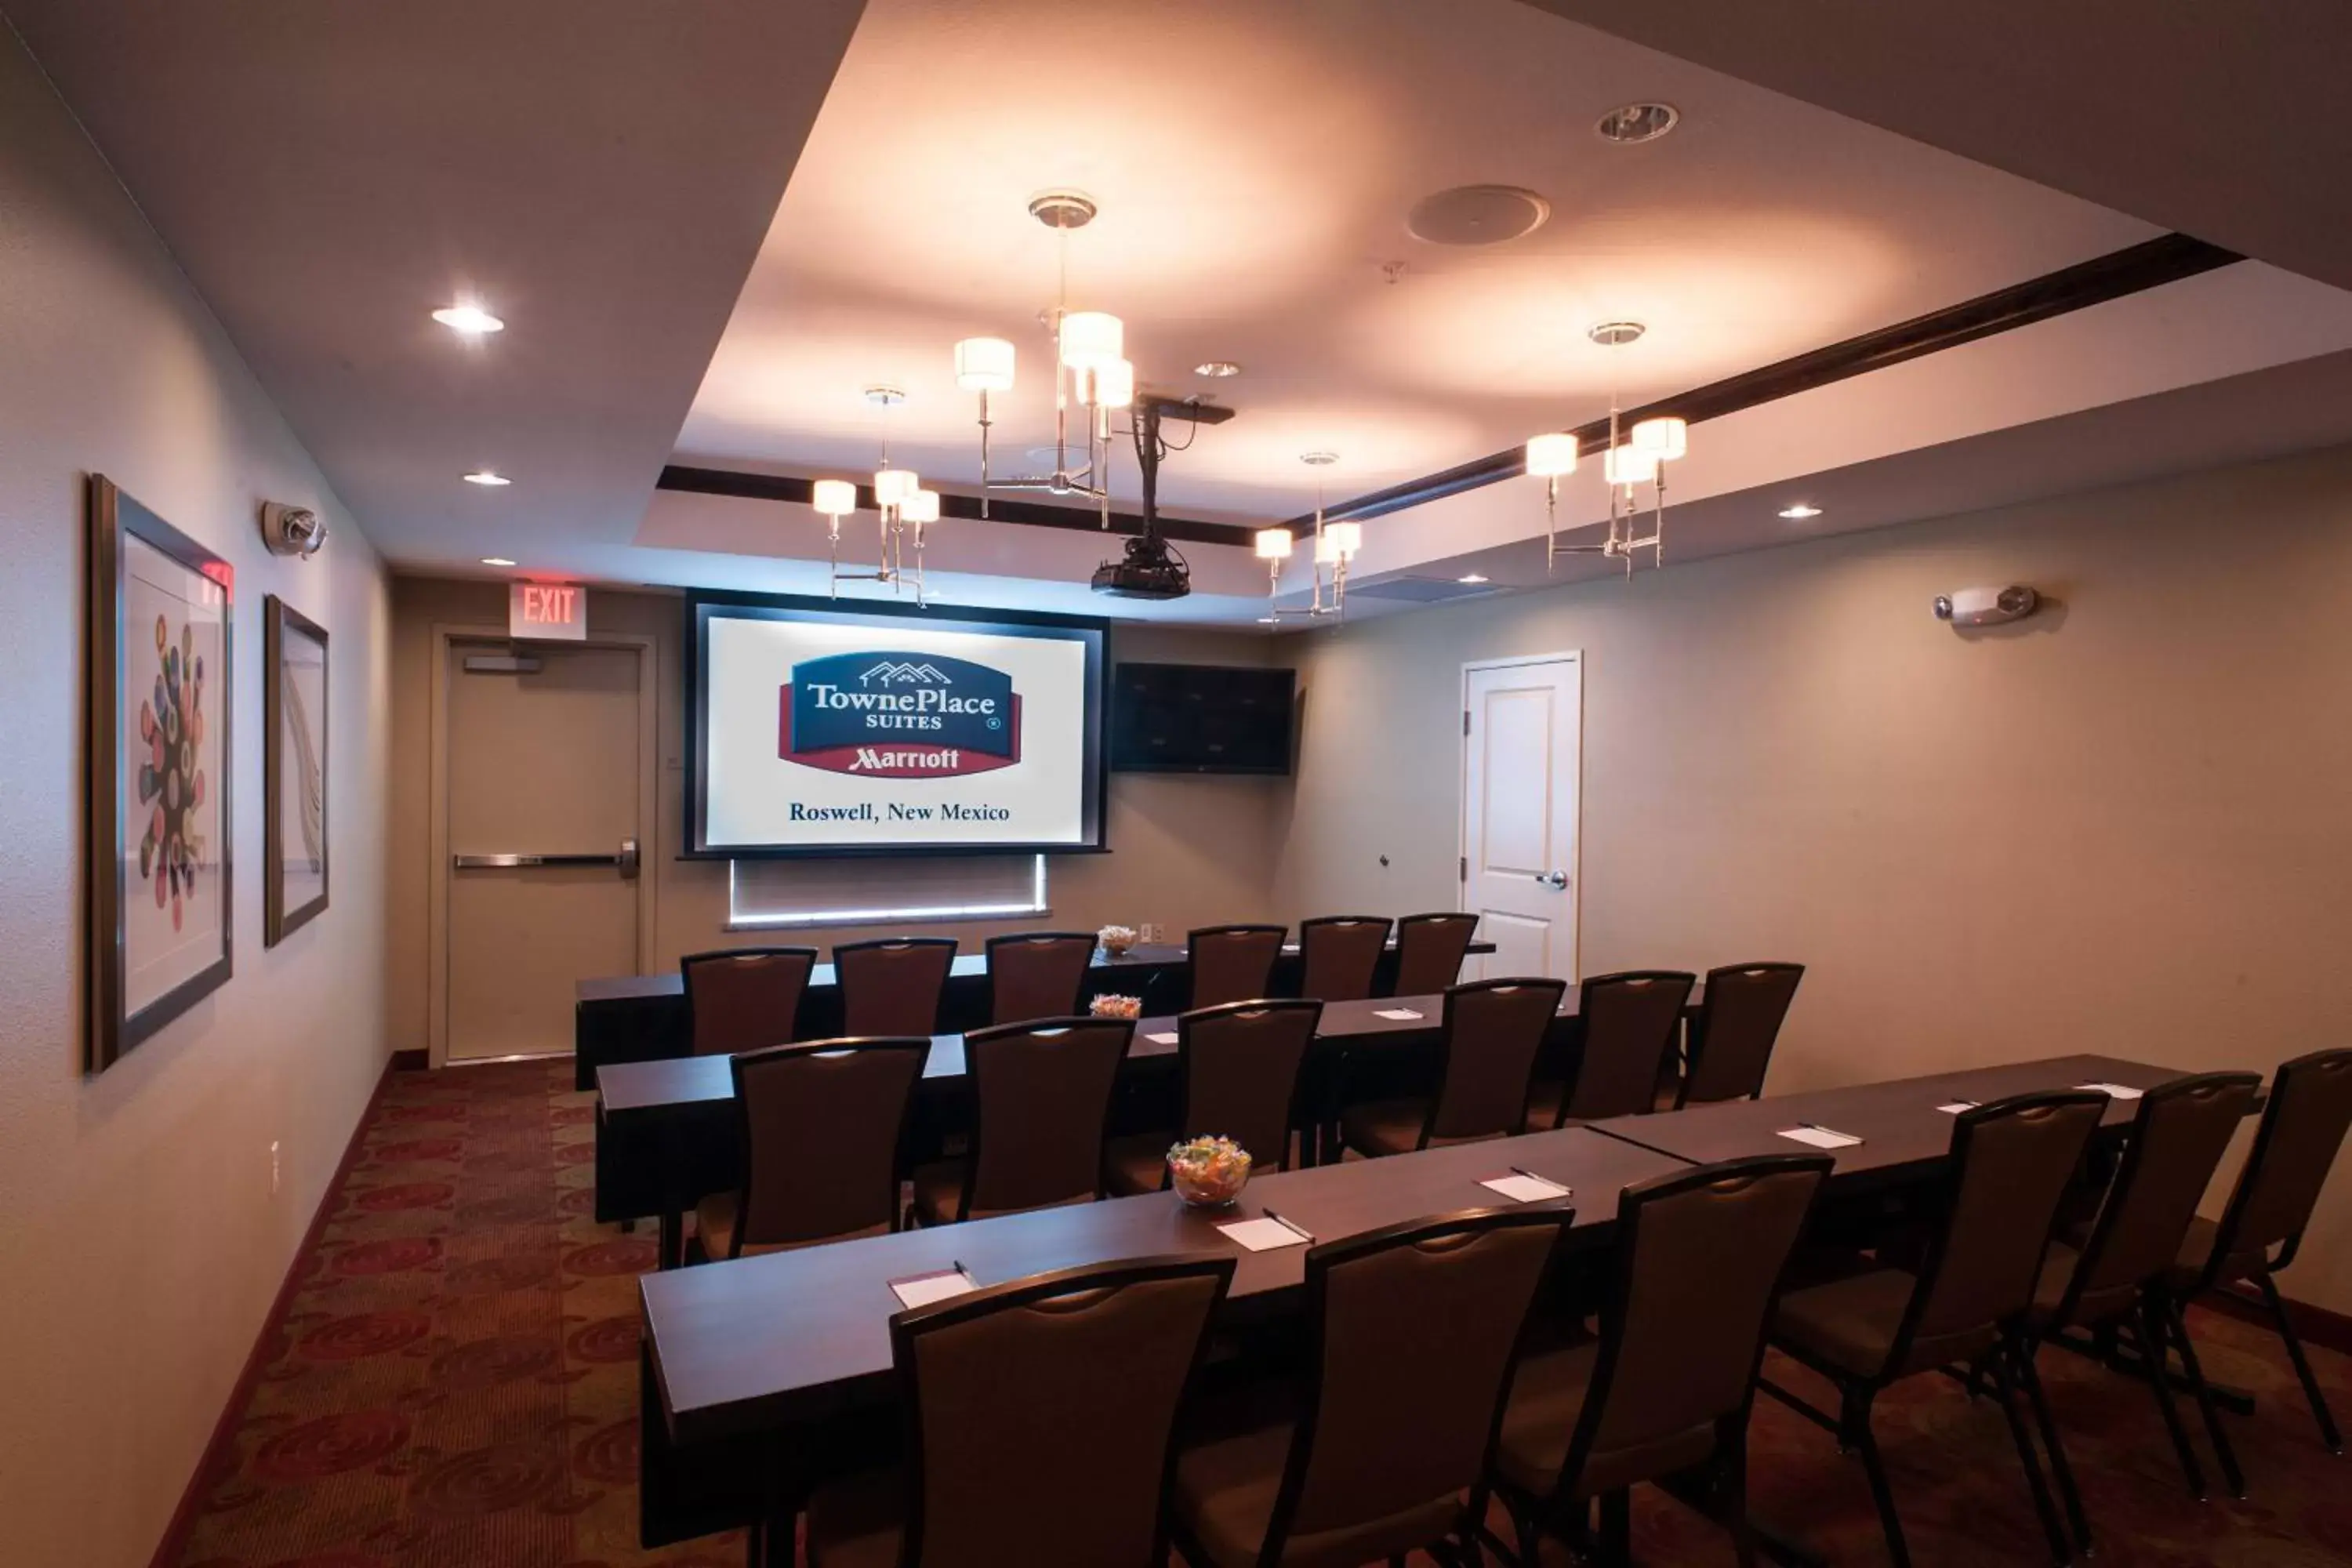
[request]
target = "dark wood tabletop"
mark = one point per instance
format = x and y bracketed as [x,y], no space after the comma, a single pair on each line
[965,966]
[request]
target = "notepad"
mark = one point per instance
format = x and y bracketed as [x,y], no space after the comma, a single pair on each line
[2113,1091]
[1957,1106]
[1161,1036]
[1263,1234]
[1400,1014]
[940,1285]
[1820,1137]
[1526,1189]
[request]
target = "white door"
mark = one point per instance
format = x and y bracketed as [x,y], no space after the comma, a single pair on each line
[545,820]
[1522,757]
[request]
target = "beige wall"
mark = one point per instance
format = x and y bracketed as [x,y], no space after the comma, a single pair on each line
[140,1242]
[1185,851]
[2120,827]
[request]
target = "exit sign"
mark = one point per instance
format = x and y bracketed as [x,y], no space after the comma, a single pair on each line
[547,610]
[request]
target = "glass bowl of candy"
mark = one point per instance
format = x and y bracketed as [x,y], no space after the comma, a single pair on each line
[1208,1173]
[1115,939]
[1117,1008]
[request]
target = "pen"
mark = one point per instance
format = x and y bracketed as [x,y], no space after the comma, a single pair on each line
[961,1269]
[1293,1229]
[1530,1175]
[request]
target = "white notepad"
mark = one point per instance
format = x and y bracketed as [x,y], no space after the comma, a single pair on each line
[1957,1106]
[1522,1189]
[1161,1036]
[1263,1234]
[2113,1091]
[1400,1014]
[940,1285]
[1820,1137]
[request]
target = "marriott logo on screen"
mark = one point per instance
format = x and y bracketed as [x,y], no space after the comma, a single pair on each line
[899,716]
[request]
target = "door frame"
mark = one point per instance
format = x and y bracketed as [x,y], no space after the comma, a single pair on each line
[446,637]
[1574,656]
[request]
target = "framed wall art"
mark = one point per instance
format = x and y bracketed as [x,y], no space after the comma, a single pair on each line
[159,761]
[294,769]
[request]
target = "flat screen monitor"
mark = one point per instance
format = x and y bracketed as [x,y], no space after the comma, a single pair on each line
[1201,719]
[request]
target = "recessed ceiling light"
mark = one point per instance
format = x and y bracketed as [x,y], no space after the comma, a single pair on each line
[1472,577]
[1615,334]
[471,321]
[487,477]
[1218,368]
[496,561]
[1799,512]
[1632,122]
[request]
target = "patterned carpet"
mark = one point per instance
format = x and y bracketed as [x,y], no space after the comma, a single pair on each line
[455,1386]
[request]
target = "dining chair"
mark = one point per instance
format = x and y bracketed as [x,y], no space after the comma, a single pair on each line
[1340,954]
[1667,1384]
[744,998]
[1492,1034]
[1239,1068]
[1385,1450]
[1731,1038]
[1037,974]
[892,986]
[1040,1418]
[1233,963]
[821,1126]
[1626,1025]
[2112,1276]
[1041,1109]
[2261,1231]
[1881,1323]
[1430,949]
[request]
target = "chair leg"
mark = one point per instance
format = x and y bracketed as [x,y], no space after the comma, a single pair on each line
[2155,1364]
[1733,1464]
[1616,1543]
[2224,1454]
[2030,1376]
[1865,1443]
[2005,1383]
[2319,1411]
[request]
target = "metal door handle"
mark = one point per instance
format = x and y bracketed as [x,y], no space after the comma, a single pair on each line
[626,859]
[1555,880]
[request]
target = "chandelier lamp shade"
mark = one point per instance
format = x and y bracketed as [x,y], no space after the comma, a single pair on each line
[984,365]
[1630,459]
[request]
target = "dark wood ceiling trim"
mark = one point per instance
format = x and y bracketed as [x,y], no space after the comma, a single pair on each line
[2149,265]
[1000,509]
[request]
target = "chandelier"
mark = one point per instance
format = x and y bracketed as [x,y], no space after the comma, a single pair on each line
[1092,375]
[1631,459]
[903,508]
[1335,545]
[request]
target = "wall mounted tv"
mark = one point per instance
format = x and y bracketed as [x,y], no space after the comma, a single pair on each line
[824,728]
[1201,719]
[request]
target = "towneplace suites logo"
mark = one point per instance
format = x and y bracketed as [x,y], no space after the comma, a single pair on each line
[900,716]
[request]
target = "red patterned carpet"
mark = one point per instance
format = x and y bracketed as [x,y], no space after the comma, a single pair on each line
[455,1386]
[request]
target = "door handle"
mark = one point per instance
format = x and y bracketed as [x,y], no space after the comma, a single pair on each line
[509,862]
[628,859]
[1557,880]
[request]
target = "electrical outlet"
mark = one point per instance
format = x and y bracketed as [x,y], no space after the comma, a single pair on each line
[1146,931]
[273,1169]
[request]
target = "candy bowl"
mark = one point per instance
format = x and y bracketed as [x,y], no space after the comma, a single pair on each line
[1117,1008]
[1208,1173]
[1115,939]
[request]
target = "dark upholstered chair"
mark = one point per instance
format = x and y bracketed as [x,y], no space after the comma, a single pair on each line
[1233,963]
[2261,1229]
[1414,1331]
[1667,1385]
[1493,1031]
[1731,1038]
[1626,1025]
[1037,974]
[2010,1163]
[820,1123]
[1240,1065]
[1041,1095]
[1338,955]
[1041,1418]
[2114,1273]
[1430,949]
[745,998]
[892,986]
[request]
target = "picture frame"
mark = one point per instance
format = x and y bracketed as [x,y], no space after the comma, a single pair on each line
[294,769]
[158,770]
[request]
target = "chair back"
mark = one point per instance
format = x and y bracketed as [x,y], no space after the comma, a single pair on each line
[1430,949]
[1233,963]
[1627,1023]
[1494,1031]
[1732,1036]
[745,998]
[1042,1096]
[1415,1330]
[1338,955]
[2011,1164]
[1240,1065]
[1036,974]
[1699,1259]
[2178,1138]
[821,1125]
[1044,1411]
[892,986]
[2295,1148]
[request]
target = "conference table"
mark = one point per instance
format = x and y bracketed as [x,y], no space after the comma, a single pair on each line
[642,1018]
[764,1376]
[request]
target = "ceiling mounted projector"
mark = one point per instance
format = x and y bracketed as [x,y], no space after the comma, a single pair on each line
[1151,568]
